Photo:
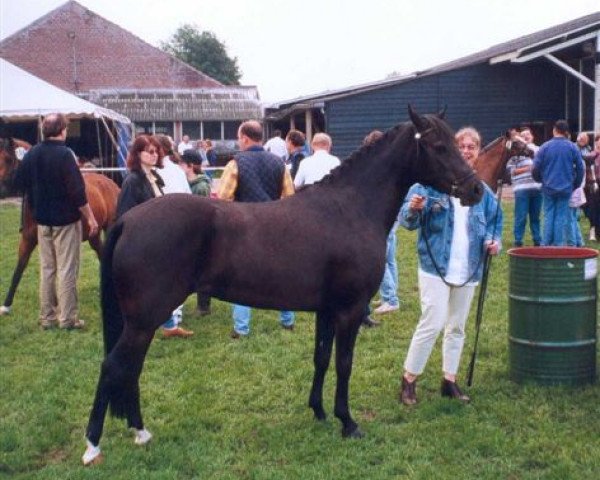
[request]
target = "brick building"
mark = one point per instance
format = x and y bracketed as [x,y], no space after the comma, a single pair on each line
[101,62]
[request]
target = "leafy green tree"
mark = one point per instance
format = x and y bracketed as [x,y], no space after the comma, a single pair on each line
[204,51]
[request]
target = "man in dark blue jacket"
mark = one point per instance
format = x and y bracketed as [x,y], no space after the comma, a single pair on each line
[53,185]
[254,175]
[558,166]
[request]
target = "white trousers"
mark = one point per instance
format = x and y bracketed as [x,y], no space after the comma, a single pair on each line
[442,307]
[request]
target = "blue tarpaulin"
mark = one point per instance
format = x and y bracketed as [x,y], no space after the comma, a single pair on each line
[123,139]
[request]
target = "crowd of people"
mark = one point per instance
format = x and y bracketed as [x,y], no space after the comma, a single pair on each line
[556,179]
[554,183]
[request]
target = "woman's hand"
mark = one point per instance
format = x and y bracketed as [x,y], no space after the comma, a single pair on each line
[492,247]
[417,203]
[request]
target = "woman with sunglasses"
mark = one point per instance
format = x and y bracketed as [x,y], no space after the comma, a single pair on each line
[142,182]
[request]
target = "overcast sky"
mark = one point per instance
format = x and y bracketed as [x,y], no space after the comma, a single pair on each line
[294,48]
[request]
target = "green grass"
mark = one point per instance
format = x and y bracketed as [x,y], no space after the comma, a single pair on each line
[222,409]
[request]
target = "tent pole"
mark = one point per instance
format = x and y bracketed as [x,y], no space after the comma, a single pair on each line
[99,142]
[110,135]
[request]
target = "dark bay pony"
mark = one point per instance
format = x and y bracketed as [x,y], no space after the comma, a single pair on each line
[490,165]
[101,193]
[320,250]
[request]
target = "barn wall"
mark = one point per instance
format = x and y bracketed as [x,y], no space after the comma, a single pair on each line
[490,97]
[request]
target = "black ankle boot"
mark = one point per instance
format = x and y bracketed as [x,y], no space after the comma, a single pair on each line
[408,392]
[368,322]
[450,389]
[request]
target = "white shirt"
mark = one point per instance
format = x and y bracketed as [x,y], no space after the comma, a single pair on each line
[182,147]
[458,266]
[276,146]
[174,177]
[314,168]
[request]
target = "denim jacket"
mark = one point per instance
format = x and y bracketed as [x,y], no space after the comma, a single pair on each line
[438,215]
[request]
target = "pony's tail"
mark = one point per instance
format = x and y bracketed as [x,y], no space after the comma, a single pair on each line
[111,311]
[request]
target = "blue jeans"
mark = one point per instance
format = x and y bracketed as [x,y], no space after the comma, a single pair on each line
[556,219]
[573,234]
[389,284]
[174,319]
[527,202]
[242,314]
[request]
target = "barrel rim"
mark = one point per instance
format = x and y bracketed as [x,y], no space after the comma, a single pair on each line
[553,252]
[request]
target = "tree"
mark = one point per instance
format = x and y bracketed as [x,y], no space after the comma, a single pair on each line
[204,51]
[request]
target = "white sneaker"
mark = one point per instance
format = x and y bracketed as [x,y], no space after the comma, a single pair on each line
[386,308]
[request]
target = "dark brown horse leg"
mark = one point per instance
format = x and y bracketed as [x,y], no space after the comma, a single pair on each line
[345,338]
[26,247]
[323,345]
[119,386]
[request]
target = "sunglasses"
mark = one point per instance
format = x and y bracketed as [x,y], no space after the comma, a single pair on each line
[151,151]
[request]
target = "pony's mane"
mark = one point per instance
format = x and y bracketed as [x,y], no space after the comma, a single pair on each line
[357,155]
[491,145]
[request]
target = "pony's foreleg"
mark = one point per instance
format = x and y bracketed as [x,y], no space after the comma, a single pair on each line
[119,387]
[26,246]
[345,336]
[323,345]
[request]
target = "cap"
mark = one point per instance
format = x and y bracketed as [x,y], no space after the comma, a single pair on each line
[191,156]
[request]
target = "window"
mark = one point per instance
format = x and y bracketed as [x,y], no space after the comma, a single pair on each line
[212,130]
[166,128]
[143,127]
[191,129]
[231,129]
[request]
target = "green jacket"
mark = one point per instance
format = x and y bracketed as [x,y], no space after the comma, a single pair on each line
[201,185]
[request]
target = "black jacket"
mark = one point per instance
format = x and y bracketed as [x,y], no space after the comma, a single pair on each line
[51,180]
[136,189]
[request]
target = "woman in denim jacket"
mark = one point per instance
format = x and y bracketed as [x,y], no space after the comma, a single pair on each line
[458,237]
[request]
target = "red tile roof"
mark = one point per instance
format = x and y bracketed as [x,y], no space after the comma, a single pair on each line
[78,50]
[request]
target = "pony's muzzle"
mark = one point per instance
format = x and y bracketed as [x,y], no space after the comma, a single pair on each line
[470,194]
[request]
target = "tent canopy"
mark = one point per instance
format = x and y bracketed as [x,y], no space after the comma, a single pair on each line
[24,96]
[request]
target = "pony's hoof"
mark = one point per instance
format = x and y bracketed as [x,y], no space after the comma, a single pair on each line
[4,310]
[355,433]
[92,455]
[142,437]
[320,415]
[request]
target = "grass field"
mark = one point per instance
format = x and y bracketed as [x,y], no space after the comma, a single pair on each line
[220,408]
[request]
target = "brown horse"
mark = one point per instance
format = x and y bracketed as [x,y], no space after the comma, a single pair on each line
[101,193]
[490,165]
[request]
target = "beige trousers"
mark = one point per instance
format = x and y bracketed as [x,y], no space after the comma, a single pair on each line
[59,268]
[442,307]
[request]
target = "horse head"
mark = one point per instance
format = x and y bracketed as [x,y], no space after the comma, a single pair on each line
[516,147]
[439,162]
[11,152]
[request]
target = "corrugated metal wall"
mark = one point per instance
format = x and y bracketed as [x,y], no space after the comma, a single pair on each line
[490,97]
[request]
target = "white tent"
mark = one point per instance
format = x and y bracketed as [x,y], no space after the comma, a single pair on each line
[24,96]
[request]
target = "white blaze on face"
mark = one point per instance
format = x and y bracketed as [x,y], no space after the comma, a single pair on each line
[20,152]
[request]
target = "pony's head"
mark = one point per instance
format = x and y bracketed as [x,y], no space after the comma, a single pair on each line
[8,158]
[439,162]
[516,147]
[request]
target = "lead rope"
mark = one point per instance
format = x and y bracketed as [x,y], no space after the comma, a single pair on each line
[423,223]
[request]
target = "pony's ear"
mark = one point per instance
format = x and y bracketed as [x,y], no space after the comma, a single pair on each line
[416,119]
[442,113]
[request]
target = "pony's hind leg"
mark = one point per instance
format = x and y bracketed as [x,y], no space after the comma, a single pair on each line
[118,387]
[345,336]
[323,345]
